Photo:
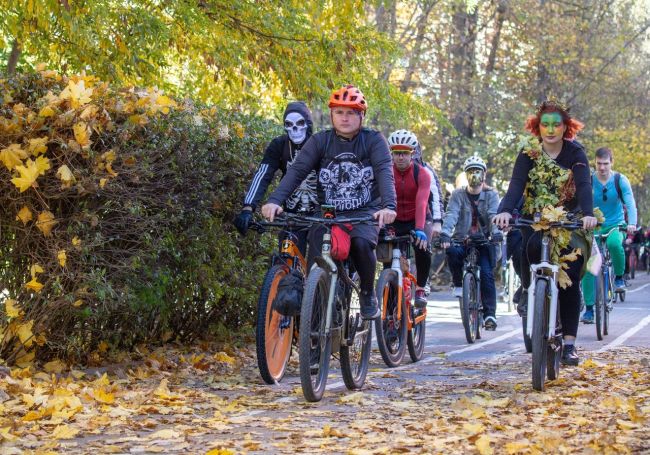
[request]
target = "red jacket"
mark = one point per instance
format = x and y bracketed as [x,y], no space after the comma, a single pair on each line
[412,198]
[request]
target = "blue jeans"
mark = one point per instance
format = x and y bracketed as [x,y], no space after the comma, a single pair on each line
[455,257]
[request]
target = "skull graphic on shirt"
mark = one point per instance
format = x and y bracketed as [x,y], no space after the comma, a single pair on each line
[346,182]
[296,127]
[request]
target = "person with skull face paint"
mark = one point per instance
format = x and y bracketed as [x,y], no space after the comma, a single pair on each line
[281,154]
[469,214]
[355,176]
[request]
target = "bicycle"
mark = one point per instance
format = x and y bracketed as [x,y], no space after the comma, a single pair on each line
[605,294]
[401,324]
[330,319]
[543,312]
[275,333]
[632,259]
[471,304]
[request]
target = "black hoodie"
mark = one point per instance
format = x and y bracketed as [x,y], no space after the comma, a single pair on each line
[280,154]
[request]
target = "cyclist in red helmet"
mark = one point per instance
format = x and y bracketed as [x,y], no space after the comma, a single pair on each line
[355,175]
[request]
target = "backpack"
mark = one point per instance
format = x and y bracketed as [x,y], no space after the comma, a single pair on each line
[416,173]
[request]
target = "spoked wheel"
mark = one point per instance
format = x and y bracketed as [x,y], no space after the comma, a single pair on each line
[599,307]
[538,337]
[417,334]
[391,328]
[315,344]
[469,307]
[355,351]
[527,341]
[274,332]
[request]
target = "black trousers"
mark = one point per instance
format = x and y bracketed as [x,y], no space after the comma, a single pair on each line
[569,298]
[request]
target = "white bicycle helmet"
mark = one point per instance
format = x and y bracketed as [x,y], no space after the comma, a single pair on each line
[403,139]
[474,161]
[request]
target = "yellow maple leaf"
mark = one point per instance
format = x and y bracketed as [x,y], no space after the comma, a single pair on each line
[102,182]
[78,303]
[24,333]
[54,366]
[12,309]
[34,285]
[483,445]
[46,222]
[12,156]
[109,156]
[27,175]
[563,279]
[81,134]
[110,170]
[220,452]
[77,93]
[76,241]
[25,215]
[89,112]
[5,433]
[38,145]
[65,174]
[103,396]
[46,112]
[223,357]
[42,164]
[35,269]
[64,432]
[61,256]
[25,359]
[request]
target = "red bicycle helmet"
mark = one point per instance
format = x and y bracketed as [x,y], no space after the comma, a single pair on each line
[348,96]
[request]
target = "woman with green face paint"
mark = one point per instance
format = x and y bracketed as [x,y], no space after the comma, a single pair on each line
[554,173]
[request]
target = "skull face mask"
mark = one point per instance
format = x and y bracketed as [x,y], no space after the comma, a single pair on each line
[296,127]
[475,177]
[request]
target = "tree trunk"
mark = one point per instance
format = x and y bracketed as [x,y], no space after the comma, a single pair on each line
[13,58]
[414,59]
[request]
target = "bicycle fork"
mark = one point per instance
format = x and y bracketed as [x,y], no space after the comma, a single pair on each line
[326,262]
[541,272]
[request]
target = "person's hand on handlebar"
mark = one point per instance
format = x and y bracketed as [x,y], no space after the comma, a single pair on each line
[385,216]
[421,239]
[270,211]
[502,220]
[631,229]
[445,241]
[589,222]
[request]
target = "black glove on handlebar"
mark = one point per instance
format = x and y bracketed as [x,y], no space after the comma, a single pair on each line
[497,237]
[444,238]
[243,220]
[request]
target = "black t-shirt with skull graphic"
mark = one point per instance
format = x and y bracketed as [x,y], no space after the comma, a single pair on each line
[353,175]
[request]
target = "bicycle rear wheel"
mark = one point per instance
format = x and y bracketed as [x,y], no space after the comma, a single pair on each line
[599,306]
[417,334]
[538,337]
[274,332]
[468,304]
[355,355]
[315,344]
[391,328]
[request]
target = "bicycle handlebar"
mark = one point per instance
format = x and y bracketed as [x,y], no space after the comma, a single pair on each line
[302,222]
[523,222]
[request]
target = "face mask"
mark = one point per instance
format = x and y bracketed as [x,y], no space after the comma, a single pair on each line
[296,127]
[475,177]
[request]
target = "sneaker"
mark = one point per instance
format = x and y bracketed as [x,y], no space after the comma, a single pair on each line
[457,292]
[490,323]
[569,355]
[619,285]
[420,299]
[588,316]
[369,308]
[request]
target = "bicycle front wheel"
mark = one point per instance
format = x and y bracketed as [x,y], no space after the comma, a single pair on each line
[599,306]
[315,344]
[468,304]
[355,351]
[538,337]
[391,327]
[274,332]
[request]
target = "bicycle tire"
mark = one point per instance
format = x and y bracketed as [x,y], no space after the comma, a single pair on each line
[621,296]
[355,358]
[538,337]
[599,306]
[313,316]
[272,342]
[417,335]
[391,333]
[469,289]
[528,344]
[554,351]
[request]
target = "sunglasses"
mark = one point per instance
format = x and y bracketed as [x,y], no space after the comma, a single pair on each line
[605,194]
[400,153]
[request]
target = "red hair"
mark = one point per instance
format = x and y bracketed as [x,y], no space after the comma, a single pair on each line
[572,125]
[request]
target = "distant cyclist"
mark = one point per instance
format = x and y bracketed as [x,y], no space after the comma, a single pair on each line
[355,175]
[612,193]
[280,155]
[470,212]
[415,212]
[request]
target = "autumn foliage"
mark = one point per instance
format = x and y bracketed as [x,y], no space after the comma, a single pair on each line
[114,217]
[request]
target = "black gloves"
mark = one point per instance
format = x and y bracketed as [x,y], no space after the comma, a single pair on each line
[243,220]
[497,237]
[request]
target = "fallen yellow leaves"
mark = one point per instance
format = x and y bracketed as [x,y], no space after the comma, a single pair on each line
[25,215]
[12,309]
[46,222]
[64,432]
[12,156]
[62,257]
